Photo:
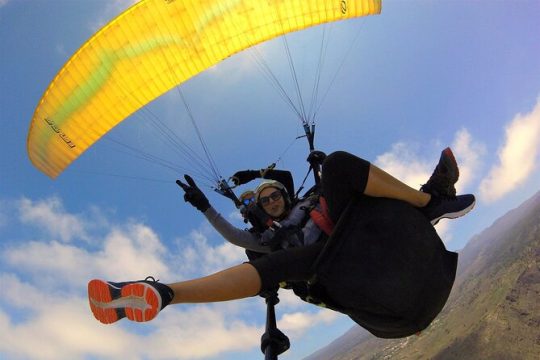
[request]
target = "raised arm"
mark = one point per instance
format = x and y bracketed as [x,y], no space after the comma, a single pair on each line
[232,234]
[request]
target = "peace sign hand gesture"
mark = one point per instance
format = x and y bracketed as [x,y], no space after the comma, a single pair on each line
[193,194]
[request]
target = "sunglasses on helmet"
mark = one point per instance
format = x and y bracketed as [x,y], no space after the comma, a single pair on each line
[275,196]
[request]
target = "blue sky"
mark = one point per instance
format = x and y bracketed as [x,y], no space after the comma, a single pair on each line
[422,76]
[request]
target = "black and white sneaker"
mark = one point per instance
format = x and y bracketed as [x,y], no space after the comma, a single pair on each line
[445,175]
[138,300]
[448,207]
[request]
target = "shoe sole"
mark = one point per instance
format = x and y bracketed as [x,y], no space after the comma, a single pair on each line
[138,302]
[454,215]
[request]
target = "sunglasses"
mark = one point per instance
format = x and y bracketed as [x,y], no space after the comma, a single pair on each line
[247,197]
[275,196]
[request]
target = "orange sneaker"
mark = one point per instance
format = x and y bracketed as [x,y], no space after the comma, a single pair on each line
[138,300]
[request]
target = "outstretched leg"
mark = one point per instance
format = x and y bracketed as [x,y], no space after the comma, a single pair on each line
[237,282]
[142,300]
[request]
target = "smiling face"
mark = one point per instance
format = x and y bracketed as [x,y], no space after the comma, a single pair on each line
[272,202]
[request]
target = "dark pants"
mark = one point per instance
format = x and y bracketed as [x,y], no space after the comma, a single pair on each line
[343,176]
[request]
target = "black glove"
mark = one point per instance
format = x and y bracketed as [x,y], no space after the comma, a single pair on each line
[316,157]
[283,237]
[193,194]
[244,176]
[258,218]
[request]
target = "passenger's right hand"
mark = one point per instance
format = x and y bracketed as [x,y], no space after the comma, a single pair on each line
[193,194]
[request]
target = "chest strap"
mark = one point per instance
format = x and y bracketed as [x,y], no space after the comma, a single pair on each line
[321,217]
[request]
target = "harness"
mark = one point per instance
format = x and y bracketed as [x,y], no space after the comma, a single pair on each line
[296,229]
[321,216]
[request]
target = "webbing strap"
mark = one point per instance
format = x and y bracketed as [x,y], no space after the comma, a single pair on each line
[321,217]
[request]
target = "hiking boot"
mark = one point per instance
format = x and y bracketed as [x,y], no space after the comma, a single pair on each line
[447,207]
[137,300]
[445,175]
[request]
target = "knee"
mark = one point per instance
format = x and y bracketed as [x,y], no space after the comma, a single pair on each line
[341,168]
[342,161]
[334,161]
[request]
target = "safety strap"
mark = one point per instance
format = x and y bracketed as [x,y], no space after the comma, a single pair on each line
[321,217]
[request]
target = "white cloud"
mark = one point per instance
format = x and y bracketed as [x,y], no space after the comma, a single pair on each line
[297,323]
[211,331]
[200,257]
[46,330]
[235,217]
[469,155]
[50,319]
[3,214]
[50,260]
[43,295]
[289,301]
[50,215]
[22,295]
[444,230]
[177,333]
[4,2]
[131,254]
[404,163]
[517,157]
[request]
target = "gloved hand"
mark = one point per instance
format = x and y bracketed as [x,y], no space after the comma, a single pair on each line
[193,194]
[244,176]
[258,218]
[316,157]
[283,237]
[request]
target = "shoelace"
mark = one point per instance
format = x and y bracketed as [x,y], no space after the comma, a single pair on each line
[439,184]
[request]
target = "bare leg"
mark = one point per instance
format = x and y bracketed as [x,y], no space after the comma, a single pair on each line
[382,184]
[237,282]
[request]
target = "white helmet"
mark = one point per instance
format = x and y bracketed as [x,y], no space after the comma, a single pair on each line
[274,184]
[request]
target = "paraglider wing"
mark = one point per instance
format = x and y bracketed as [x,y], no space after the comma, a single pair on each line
[149,49]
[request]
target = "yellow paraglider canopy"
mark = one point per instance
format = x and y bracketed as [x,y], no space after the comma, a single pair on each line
[147,50]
